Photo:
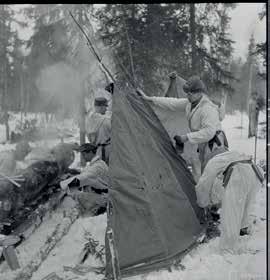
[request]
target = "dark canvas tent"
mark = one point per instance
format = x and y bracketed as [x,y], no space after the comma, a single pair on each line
[153,210]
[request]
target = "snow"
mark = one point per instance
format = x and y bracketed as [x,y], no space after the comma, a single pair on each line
[237,137]
[68,249]
[203,263]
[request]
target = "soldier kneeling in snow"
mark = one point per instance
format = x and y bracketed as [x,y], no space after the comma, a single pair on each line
[232,179]
[92,182]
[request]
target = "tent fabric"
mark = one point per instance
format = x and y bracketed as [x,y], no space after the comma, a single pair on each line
[154,215]
[175,88]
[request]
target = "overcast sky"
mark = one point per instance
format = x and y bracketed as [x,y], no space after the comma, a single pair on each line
[244,21]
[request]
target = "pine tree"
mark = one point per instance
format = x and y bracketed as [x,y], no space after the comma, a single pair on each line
[10,44]
[251,63]
[247,78]
[215,58]
[169,37]
[261,47]
[193,39]
[154,34]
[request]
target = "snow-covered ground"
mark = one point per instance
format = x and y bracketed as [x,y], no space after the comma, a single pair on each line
[203,263]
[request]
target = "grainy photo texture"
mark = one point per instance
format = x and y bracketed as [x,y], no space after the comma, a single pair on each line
[133,141]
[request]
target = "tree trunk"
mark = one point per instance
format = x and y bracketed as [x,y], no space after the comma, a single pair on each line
[82,111]
[242,112]
[5,77]
[249,85]
[192,25]
[7,129]
[22,98]
[26,92]
[2,68]
[5,104]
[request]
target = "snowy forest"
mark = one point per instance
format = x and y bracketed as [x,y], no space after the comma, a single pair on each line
[110,116]
[139,42]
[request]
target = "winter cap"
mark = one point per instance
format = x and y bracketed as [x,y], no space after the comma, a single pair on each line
[87,147]
[193,85]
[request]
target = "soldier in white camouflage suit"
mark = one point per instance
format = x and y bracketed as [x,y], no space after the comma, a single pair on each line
[204,119]
[232,179]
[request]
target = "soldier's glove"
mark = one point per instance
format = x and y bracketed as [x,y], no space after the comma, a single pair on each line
[179,144]
[178,140]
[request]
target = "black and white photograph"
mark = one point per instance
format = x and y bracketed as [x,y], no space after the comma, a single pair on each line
[133,141]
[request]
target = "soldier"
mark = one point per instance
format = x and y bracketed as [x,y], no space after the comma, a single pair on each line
[98,128]
[232,179]
[203,118]
[95,172]
[93,182]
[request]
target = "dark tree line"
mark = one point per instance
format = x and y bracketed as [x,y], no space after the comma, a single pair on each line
[141,43]
[152,40]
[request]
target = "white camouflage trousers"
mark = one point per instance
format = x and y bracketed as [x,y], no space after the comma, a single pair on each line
[237,204]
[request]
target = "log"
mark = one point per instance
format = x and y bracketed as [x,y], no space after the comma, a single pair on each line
[34,180]
[61,229]
[36,177]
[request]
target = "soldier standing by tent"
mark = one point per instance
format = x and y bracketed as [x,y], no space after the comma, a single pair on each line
[232,179]
[204,122]
[203,117]
[98,128]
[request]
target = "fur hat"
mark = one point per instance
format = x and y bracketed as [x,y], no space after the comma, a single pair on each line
[87,147]
[193,85]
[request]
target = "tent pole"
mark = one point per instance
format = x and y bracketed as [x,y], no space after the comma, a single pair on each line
[114,256]
[256,138]
[255,153]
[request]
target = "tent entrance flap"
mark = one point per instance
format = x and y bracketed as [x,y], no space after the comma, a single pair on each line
[154,214]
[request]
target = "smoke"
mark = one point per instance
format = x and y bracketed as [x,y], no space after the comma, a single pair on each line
[59,84]
[76,71]
[62,84]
